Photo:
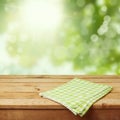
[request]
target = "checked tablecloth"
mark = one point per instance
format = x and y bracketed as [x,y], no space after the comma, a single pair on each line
[77,95]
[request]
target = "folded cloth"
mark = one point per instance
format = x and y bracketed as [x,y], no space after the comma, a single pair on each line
[77,95]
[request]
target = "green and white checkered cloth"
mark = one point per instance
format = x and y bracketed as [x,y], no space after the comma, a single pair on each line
[77,95]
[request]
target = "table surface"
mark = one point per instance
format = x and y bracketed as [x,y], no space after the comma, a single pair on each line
[22,92]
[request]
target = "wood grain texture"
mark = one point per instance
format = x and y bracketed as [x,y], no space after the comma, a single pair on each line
[60,76]
[58,115]
[19,98]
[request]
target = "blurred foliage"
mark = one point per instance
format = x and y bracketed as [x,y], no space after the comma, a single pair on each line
[88,37]
[91,33]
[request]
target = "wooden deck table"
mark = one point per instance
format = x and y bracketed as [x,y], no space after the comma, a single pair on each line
[20,100]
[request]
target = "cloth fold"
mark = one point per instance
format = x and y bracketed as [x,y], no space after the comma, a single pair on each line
[77,95]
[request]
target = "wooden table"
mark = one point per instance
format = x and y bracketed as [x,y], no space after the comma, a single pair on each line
[19,99]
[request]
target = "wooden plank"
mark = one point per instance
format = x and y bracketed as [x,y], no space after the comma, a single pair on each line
[19,94]
[60,76]
[37,87]
[35,95]
[46,84]
[32,84]
[37,115]
[107,103]
[104,114]
[35,103]
[29,104]
[58,115]
[39,80]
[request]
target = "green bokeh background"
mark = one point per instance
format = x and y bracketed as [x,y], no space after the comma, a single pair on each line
[88,39]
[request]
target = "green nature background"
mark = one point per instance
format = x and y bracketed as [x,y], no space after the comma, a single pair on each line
[86,42]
